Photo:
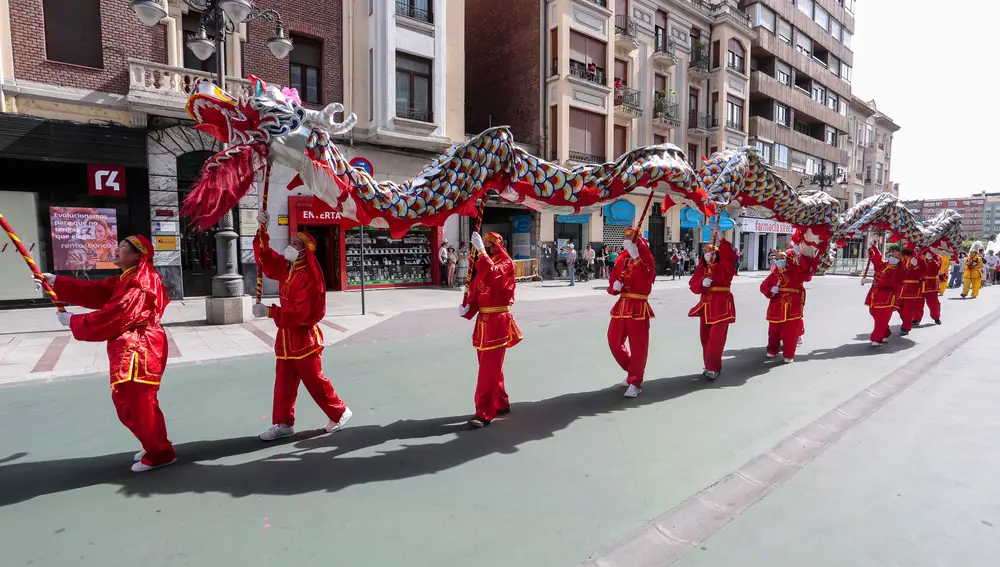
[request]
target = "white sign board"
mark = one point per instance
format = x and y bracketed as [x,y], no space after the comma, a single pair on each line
[766,225]
[164,227]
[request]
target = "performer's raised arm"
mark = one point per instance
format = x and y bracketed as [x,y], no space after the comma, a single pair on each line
[274,265]
[88,294]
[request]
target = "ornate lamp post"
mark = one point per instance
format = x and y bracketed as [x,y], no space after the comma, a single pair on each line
[823,180]
[221,16]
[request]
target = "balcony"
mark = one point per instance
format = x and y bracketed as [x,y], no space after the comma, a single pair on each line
[736,125]
[579,70]
[664,53]
[601,3]
[667,116]
[412,11]
[768,42]
[626,37]
[798,99]
[585,158]
[163,90]
[628,103]
[698,123]
[768,130]
[698,68]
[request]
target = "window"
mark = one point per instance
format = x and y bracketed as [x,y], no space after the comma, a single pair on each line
[764,151]
[847,37]
[190,23]
[587,57]
[832,101]
[868,136]
[306,60]
[586,136]
[715,108]
[819,93]
[784,31]
[413,88]
[763,17]
[662,42]
[737,56]
[868,174]
[658,139]
[621,71]
[73,32]
[660,83]
[806,6]
[783,71]
[878,173]
[781,114]
[734,113]
[621,141]
[781,156]
[812,165]
[831,136]
[416,9]
[822,17]
[803,43]
[716,55]
[835,29]
[371,84]
[843,107]
[845,72]
[833,65]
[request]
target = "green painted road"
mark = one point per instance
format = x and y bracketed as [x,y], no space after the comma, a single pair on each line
[574,467]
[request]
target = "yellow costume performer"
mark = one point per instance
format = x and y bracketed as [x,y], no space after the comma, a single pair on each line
[943,274]
[973,274]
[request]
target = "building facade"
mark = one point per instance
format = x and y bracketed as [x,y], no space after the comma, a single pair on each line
[99,97]
[584,81]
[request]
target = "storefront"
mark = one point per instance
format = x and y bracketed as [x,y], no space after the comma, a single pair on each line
[388,262]
[618,216]
[694,231]
[517,224]
[71,192]
[758,238]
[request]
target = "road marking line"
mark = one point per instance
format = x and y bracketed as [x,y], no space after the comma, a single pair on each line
[636,550]
[333,325]
[51,355]
[172,350]
[259,333]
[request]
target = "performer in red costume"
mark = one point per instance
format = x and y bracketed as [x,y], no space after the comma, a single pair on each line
[783,286]
[631,280]
[911,294]
[299,344]
[716,309]
[127,315]
[930,284]
[883,297]
[490,295]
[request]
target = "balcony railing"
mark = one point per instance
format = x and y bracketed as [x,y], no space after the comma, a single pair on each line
[414,114]
[601,3]
[579,70]
[665,46]
[735,125]
[741,69]
[408,9]
[628,100]
[697,120]
[699,60]
[624,26]
[668,113]
[584,157]
[164,85]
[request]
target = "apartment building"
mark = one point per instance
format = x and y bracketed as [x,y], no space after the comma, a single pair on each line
[991,216]
[800,88]
[972,209]
[98,95]
[584,81]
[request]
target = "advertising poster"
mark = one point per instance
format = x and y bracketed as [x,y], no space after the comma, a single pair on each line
[521,247]
[83,238]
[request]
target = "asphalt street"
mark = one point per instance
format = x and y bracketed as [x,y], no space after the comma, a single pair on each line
[574,468]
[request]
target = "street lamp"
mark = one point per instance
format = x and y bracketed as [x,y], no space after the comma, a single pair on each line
[222,16]
[822,180]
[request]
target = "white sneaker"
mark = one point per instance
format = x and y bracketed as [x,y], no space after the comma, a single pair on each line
[632,391]
[711,374]
[769,355]
[335,426]
[143,467]
[138,456]
[876,344]
[277,431]
[800,340]
[789,360]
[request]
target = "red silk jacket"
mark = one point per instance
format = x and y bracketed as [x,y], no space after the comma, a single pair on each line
[789,302]
[637,277]
[491,293]
[127,315]
[302,293]
[886,283]
[716,305]
[912,282]
[932,275]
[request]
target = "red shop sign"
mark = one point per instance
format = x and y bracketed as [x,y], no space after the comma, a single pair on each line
[105,180]
[316,212]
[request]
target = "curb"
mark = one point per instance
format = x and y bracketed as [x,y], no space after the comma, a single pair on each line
[684,527]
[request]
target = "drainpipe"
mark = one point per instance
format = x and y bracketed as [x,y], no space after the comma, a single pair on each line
[543,95]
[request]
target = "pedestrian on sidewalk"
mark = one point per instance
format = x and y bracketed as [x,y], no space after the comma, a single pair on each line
[716,309]
[463,262]
[883,297]
[675,264]
[601,262]
[298,347]
[956,271]
[571,263]
[452,263]
[127,315]
[443,263]
[631,280]
[491,293]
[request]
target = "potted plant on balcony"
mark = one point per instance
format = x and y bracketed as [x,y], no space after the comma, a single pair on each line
[659,102]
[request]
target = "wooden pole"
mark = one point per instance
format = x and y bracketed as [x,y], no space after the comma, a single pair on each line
[474,253]
[263,227]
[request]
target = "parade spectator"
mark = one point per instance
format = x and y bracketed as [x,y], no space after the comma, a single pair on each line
[452,263]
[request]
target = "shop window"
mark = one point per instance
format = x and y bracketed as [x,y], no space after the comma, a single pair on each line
[305,69]
[413,88]
[73,32]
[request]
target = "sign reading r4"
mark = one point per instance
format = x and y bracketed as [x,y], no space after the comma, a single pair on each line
[106,180]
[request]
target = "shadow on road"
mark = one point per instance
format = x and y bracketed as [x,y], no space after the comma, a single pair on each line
[317,462]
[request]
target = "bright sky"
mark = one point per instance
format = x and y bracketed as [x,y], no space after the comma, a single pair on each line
[924,63]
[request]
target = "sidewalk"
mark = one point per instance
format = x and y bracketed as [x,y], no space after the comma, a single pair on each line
[34,346]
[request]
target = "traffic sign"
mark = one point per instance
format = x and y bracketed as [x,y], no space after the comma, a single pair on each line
[363,163]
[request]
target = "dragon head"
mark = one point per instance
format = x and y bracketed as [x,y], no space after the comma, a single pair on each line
[264,114]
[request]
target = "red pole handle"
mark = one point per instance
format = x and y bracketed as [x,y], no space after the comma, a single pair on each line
[475,251]
[31,264]
[260,271]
